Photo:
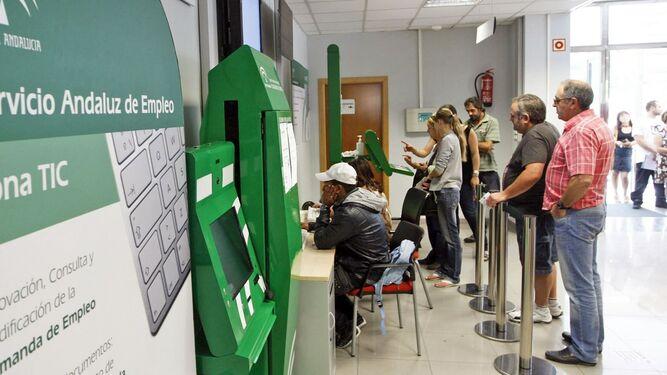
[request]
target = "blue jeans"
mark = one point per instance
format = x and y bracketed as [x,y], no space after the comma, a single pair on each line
[576,243]
[450,244]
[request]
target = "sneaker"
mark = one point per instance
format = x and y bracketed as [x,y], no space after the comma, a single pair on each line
[661,205]
[361,321]
[555,308]
[540,315]
[342,343]
[636,205]
[470,239]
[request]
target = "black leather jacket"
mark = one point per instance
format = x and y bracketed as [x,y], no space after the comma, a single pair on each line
[358,233]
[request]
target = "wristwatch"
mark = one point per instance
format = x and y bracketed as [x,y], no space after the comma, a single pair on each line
[475,173]
[561,206]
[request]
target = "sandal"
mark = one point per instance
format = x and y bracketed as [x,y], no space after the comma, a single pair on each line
[444,284]
[437,275]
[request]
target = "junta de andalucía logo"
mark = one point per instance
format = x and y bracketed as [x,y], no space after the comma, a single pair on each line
[4,19]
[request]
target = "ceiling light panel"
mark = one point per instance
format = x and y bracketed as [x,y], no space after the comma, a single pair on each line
[390,14]
[337,6]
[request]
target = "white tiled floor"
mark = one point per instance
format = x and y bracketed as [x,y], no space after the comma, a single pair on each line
[633,265]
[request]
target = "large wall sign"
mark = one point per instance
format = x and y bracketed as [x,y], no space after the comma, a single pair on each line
[94,250]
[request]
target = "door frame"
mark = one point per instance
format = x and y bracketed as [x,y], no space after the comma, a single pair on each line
[321,87]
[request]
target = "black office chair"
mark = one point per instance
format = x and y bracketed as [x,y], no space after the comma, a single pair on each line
[404,231]
[413,204]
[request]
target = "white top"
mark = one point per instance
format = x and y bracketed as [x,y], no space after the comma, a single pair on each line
[647,129]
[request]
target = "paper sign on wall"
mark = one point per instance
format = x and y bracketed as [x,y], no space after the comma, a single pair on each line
[347,107]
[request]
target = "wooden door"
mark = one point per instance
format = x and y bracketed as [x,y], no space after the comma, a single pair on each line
[370,112]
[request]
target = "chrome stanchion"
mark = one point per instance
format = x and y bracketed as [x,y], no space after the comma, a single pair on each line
[500,329]
[524,362]
[477,289]
[487,304]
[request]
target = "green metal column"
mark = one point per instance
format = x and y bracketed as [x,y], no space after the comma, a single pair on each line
[334,131]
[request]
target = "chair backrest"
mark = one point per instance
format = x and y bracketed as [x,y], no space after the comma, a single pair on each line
[413,204]
[407,231]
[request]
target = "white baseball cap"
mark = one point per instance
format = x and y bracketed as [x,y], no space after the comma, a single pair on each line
[341,172]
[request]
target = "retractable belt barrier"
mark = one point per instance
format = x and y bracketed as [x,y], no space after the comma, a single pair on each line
[500,329]
[487,304]
[477,289]
[524,362]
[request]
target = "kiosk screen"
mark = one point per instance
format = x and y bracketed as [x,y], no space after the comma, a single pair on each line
[232,250]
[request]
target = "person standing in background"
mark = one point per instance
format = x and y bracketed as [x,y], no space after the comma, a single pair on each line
[645,156]
[661,148]
[487,131]
[622,155]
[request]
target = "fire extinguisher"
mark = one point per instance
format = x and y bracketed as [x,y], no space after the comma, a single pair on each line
[486,87]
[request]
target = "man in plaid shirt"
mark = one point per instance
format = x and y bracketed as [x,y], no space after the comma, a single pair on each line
[575,187]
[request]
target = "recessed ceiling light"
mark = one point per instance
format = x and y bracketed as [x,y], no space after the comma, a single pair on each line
[449,3]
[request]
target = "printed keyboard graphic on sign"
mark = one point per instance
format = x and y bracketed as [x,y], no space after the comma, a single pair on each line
[149,166]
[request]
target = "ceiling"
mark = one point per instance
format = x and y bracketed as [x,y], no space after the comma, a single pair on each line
[350,16]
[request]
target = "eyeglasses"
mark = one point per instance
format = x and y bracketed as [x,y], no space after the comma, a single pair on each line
[558,100]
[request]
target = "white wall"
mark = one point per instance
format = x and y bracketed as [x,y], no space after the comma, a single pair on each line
[451,60]
[543,68]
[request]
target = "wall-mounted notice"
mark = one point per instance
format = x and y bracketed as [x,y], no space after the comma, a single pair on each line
[347,107]
[300,101]
[94,251]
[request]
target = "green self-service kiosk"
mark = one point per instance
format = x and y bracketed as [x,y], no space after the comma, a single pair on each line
[246,105]
[233,319]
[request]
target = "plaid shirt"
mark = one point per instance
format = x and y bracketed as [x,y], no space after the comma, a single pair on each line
[587,148]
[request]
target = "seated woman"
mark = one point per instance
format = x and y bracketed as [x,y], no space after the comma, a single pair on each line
[366,180]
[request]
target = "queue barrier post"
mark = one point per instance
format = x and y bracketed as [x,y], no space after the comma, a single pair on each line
[524,362]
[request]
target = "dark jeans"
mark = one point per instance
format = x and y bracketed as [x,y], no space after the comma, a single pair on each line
[435,236]
[469,206]
[490,179]
[343,283]
[448,200]
[641,181]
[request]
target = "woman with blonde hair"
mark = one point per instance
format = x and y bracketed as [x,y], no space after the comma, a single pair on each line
[445,178]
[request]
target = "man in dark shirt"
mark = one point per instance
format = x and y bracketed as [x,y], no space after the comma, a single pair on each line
[523,183]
